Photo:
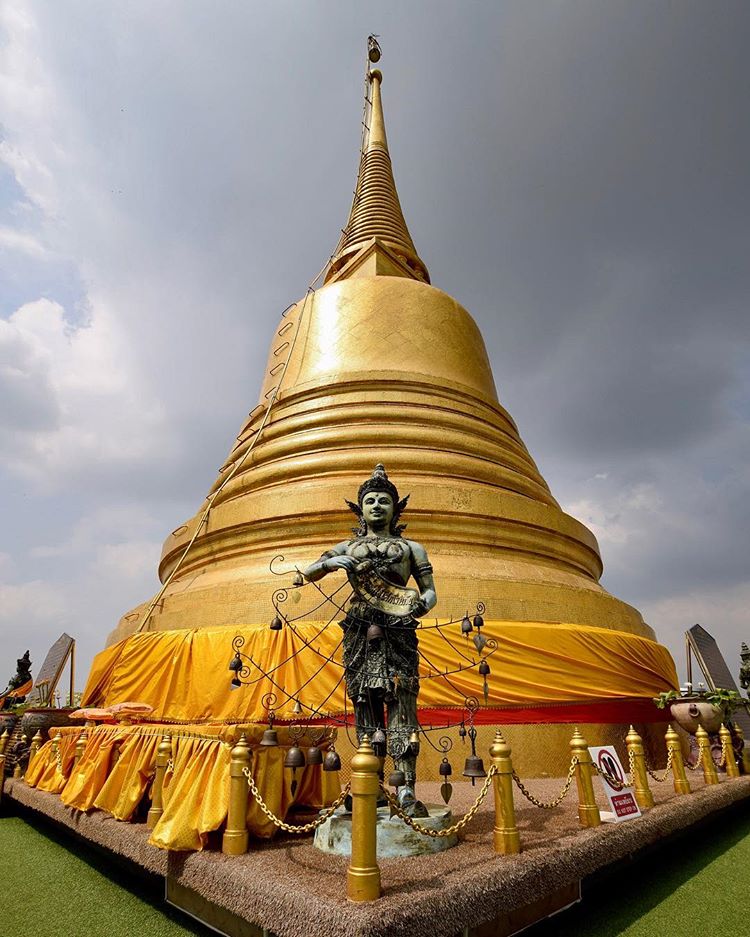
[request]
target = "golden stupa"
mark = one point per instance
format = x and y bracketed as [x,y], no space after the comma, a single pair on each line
[378,365]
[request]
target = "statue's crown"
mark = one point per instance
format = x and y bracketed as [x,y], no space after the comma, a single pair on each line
[378,481]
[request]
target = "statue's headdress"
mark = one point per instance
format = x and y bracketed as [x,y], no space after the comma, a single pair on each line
[379,481]
[745,652]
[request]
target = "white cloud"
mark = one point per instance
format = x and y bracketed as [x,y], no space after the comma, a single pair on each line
[12,240]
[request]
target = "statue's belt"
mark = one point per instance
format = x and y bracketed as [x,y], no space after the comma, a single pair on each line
[385,596]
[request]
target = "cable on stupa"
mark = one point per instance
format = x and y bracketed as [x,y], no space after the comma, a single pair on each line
[373,54]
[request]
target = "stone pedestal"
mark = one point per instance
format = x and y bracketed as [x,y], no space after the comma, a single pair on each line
[394,837]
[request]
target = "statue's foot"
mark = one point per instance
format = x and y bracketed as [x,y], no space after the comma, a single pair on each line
[410,805]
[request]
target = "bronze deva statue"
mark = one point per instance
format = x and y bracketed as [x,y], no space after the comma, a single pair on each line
[381,660]
[745,667]
[19,679]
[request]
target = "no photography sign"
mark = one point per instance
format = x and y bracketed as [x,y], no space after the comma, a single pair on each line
[621,797]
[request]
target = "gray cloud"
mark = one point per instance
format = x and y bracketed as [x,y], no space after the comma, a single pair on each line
[575,174]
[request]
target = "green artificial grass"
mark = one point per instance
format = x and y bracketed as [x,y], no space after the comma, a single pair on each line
[52,887]
[695,885]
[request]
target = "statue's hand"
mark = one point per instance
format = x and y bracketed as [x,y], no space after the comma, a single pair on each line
[419,608]
[349,563]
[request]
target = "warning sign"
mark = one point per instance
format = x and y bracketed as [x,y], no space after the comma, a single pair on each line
[620,796]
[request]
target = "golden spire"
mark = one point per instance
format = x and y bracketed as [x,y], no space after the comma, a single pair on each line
[376,230]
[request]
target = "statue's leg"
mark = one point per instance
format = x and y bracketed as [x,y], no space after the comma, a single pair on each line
[402,721]
[369,712]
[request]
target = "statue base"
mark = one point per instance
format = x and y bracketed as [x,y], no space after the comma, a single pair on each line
[394,837]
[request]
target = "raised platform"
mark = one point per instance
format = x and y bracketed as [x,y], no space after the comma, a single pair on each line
[285,885]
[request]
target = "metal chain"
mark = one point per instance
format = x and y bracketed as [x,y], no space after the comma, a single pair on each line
[615,783]
[289,827]
[439,834]
[724,755]
[170,767]
[58,756]
[660,780]
[631,766]
[699,762]
[548,805]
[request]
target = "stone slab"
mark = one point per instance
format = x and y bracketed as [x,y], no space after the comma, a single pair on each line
[395,838]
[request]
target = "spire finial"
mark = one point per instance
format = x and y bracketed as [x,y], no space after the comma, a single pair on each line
[376,225]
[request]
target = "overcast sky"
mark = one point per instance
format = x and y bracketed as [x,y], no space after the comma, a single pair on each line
[173,174]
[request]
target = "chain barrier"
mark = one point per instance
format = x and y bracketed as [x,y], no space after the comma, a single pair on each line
[58,757]
[290,827]
[548,805]
[660,780]
[724,754]
[631,766]
[439,834]
[615,783]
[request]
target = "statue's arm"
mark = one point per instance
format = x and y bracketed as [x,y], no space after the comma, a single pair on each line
[335,558]
[421,570]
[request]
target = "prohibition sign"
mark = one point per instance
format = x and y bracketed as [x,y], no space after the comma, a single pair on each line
[610,770]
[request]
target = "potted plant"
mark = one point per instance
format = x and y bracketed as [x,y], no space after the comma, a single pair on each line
[709,710]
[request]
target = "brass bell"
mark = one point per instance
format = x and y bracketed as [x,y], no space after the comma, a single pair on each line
[299,579]
[295,758]
[474,768]
[396,779]
[378,743]
[332,762]
[235,664]
[445,768]
[235,683]
[478,622]
[276,624]
[484,668]
[297,709]
[270,738]
[466,626]
[314,755]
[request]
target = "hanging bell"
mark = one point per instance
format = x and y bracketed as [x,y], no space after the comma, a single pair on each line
[474,768]
[373,49]
[378,743]
[332,762]
[446,788]
[276,624]
[298,580]
[314,755]
[270,738]
[478,622]
[235,683]
[295,758]
[466,626]
[396,778]
[374,633]
[235,664]
[297,708]
[414,743]
[462,733]
[484,668]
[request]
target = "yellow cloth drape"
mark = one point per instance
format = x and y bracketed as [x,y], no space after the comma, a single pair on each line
[43,771]
[127,782]
[184,675]
[195,794]
[90,773]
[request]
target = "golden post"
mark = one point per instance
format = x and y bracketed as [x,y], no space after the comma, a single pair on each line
[363,875]
[234,841]
[588,812]
[80,747]
[643,796]
[2,774]
[163,756]
[745,749]
[707,761]
[4,741]
[730,762]
[674,751]
[507,839]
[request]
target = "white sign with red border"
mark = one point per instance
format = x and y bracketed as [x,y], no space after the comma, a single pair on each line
[620,796]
